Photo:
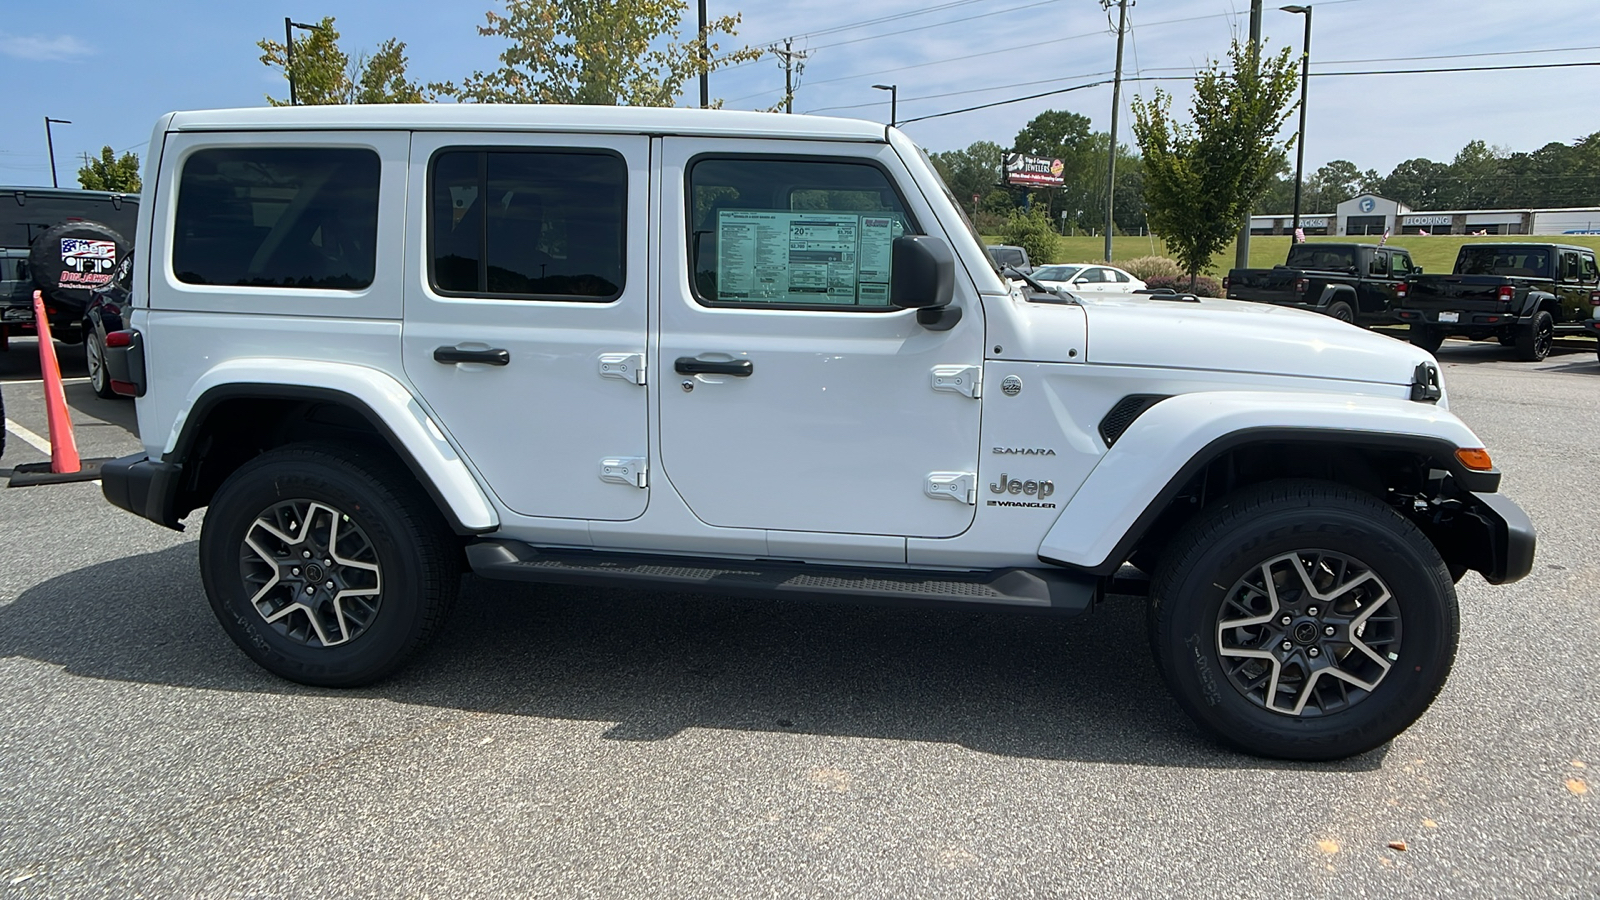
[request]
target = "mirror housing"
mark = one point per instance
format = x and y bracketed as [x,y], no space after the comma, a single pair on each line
[923,278]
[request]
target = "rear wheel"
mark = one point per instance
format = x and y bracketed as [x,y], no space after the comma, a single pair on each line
[1303,620]
[1341,310]
[1534,341]
[1428,337]
[326,565]
[94,355]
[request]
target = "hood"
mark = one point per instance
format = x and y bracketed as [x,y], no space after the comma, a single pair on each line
[1235,336]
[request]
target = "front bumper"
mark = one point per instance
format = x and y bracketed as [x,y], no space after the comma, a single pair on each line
[1489,533]
[143,486]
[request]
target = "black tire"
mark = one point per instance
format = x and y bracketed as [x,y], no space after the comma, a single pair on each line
[380,518]
[1534,341]
[1428,337]
[94,356]
[69,279]
[1341,310]
[1288,524]
[2,425]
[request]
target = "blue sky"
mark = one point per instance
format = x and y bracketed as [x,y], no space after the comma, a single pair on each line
[123,64]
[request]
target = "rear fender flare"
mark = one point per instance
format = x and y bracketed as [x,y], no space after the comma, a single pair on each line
[386,404]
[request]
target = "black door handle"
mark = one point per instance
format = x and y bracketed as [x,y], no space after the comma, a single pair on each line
[689,365]
[453,355]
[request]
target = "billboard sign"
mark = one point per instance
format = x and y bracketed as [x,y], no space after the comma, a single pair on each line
[1033,171]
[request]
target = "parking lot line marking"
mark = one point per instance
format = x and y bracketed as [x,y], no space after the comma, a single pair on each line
[78,380]
[28,437]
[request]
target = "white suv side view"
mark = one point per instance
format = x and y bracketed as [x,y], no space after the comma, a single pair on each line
[762,354]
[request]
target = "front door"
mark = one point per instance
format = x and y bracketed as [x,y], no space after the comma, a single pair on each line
[527,316]
[793,396]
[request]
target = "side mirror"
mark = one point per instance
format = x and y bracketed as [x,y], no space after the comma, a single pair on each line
[923,278]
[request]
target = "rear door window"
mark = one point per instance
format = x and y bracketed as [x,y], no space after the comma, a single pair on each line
[528,224]
[280,217]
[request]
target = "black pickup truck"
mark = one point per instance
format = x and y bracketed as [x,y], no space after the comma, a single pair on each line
[1357,283]
[1521,294]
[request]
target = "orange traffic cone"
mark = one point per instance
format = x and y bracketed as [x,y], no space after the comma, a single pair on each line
[63,448]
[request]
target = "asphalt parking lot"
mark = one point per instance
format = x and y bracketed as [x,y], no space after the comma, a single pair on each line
[575,743]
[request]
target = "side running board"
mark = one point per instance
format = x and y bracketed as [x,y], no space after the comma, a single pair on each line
[1060,591]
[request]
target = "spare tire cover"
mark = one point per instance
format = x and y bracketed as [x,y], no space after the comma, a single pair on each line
[71,259]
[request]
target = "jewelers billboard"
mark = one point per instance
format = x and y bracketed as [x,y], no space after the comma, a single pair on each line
[1033,171]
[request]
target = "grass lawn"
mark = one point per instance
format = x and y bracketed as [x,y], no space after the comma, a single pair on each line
[1434,253]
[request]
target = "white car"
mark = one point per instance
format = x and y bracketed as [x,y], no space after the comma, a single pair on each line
[1087,278]
[703,350]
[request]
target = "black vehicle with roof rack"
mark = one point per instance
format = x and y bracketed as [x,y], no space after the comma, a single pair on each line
[1356,283]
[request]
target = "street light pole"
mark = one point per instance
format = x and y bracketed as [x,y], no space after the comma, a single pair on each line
[288,53]
[705,61]
[50,143]
[1300,140]
[894,101]
[1241,255]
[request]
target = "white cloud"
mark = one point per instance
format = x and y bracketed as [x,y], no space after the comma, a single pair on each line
[44,48]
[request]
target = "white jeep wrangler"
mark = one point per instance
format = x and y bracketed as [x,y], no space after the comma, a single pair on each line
[762,354]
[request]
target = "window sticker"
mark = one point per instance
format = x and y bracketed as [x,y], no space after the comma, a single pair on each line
[812,258]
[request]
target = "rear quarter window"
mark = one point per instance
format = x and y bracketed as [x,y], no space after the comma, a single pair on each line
[280,217]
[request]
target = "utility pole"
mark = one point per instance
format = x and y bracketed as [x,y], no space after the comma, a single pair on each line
[50,143]
[1241,258]
[705,61]
[288,53]
[1116,101]
[794,63]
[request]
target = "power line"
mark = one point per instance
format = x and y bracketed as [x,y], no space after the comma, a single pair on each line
[873,37]
[1567,65]
[994,87]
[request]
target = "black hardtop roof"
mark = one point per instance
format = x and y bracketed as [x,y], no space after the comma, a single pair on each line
[1528,244]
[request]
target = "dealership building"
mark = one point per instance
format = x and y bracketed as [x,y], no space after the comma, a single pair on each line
[1371,214]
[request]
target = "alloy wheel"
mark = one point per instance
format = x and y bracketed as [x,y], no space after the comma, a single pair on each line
[1308,633]
[311,572]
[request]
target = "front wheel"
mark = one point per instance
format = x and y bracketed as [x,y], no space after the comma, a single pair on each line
[1428,337]
[1303,620]
[326,565]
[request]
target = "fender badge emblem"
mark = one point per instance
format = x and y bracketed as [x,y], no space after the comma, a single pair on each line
[1011,386]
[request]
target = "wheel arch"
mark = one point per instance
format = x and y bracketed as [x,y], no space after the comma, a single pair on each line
[1123,508]
[229,421]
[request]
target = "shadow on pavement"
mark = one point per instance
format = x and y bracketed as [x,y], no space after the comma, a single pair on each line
[1475,352]
[654,664]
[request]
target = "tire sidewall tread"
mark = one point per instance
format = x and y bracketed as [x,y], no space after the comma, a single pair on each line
[1203,562]
[419,562]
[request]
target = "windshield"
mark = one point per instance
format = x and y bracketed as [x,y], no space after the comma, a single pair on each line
[1312,256]
[971,228]
[1511,261]
[1006,256]
[1056,273]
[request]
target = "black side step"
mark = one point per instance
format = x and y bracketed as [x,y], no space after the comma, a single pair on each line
[1057,590]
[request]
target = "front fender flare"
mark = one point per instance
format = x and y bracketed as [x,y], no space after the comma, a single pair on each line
[1172,441]
[386,404]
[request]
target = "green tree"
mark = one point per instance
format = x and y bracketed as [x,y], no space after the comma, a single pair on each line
[325,74]
[108,173]
[605,52]
[1200,177]
[1032,232]
[975,170]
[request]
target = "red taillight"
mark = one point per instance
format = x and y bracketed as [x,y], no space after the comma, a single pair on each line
[1505,293]
[119,339]
[1400,290]
[1302,285]
[1226,280]
[1594,297]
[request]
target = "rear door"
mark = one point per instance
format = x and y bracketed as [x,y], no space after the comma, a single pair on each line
[527,312]
[1572,288]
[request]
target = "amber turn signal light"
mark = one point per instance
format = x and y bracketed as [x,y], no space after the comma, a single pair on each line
[1475,458]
